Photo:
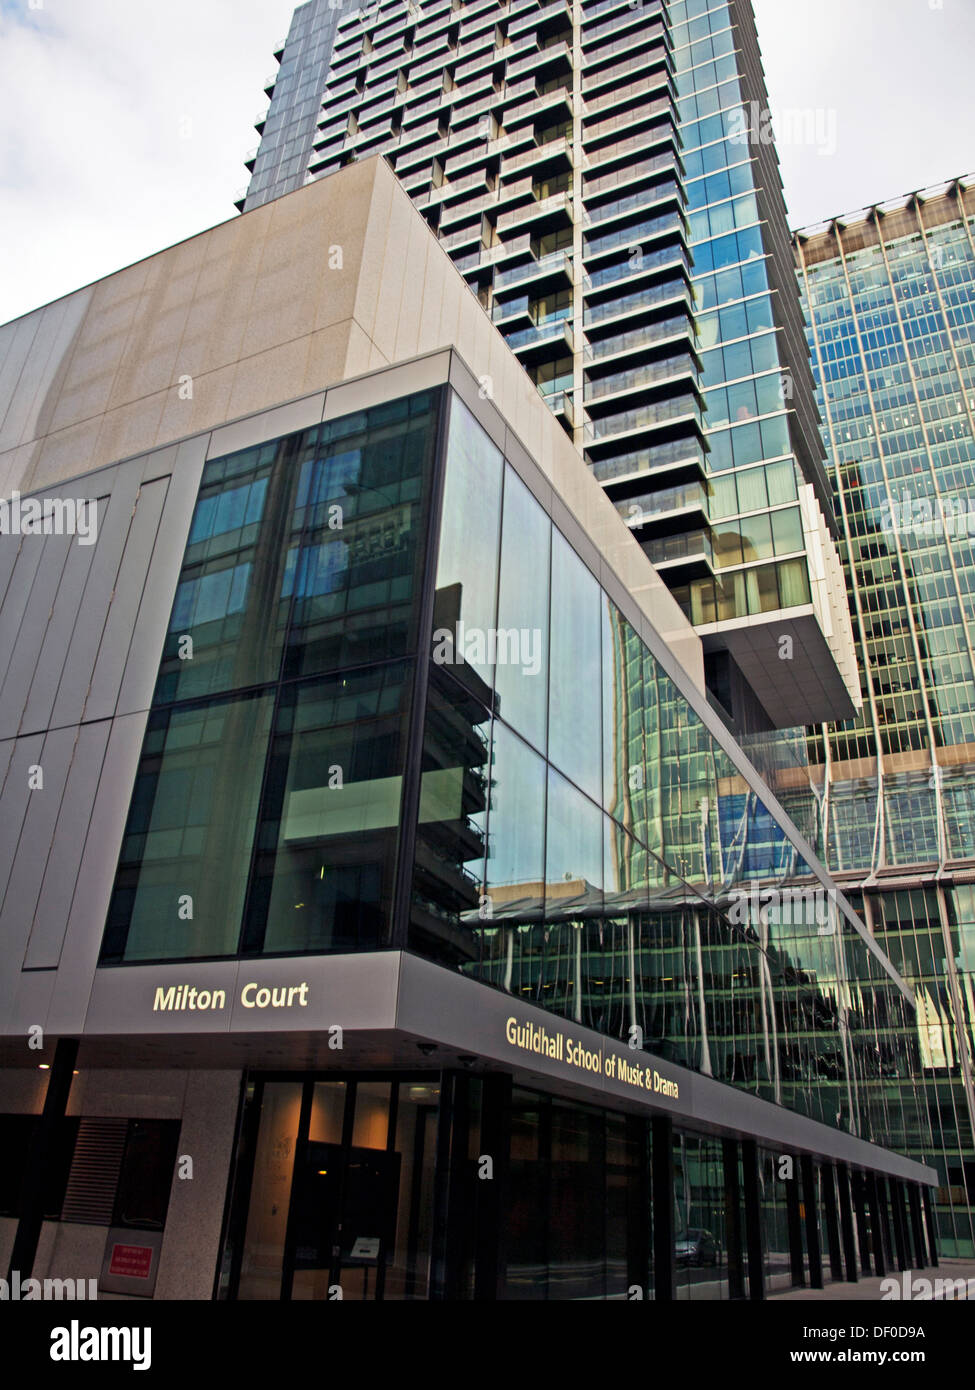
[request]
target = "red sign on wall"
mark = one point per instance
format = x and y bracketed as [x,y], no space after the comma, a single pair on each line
[134,1261]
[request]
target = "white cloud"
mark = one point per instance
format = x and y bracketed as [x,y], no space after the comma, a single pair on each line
[897,76]
[127,125]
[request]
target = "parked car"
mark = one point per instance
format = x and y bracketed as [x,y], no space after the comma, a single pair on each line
[696,1247]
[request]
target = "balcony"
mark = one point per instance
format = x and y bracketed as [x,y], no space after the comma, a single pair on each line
[562,406]
[535,19]
[632,92]
[651,508]
[676,457]
[610,125]
[541,105]
[541,339]
[651,230]
[670,369]
[559,263]
[467,236]
[668,257]
[636,339]
[512,311]
[683,557]
[542,210]
[630,174]
[641,299]
[641,201]
[538,154]
[540,58]
[642,419]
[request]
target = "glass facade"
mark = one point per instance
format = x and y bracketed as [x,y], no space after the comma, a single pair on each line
[564,823]
[891,307]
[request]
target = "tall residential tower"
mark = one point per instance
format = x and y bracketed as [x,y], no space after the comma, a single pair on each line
[593,173]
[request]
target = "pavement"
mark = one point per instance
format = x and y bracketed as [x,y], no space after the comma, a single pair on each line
[942,1285]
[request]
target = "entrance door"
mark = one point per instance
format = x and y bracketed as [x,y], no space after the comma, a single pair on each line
[340,1191]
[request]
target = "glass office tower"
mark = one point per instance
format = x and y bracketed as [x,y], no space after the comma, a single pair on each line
[890,297]
[589,172]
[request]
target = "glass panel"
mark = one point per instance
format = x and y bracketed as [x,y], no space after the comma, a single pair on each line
[355,551]
[408,1271]
[467,563]
[267,1216]
[180,890]
[574,701]
[323,877]
[526,539]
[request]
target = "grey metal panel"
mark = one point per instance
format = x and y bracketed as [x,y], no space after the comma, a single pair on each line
[57,886]
[19,590]
[46,678]
[96,875]
[84,642]
[33,629]
[10,547]
[14,803]
[23,885]
[142,665]
[117,638]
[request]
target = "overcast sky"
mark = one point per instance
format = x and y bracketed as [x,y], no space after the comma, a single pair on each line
[126,122]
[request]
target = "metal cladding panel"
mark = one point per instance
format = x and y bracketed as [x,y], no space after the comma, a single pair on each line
[55,884]
[26,568]
[40,815]
[85,640]
[32,637]
[82,934]
[14,800]
[145,652]
[113,653]
[66,613]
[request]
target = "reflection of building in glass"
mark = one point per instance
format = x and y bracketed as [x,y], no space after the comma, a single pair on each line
[890,296]
[387,826]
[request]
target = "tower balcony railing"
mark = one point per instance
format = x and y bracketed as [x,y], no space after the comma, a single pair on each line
[643,14]
[647,460]
[636,338]
[635,202]
[642,417]
[625,270]
[543,207]
[630,173]
[540,57]
[633,89]
[650,505]
[649,374]
[640,299]
[652,229]
[626,43]
[551,331]
[534,17]
[555,262]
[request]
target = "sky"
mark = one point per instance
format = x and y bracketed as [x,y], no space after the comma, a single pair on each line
[125,123]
